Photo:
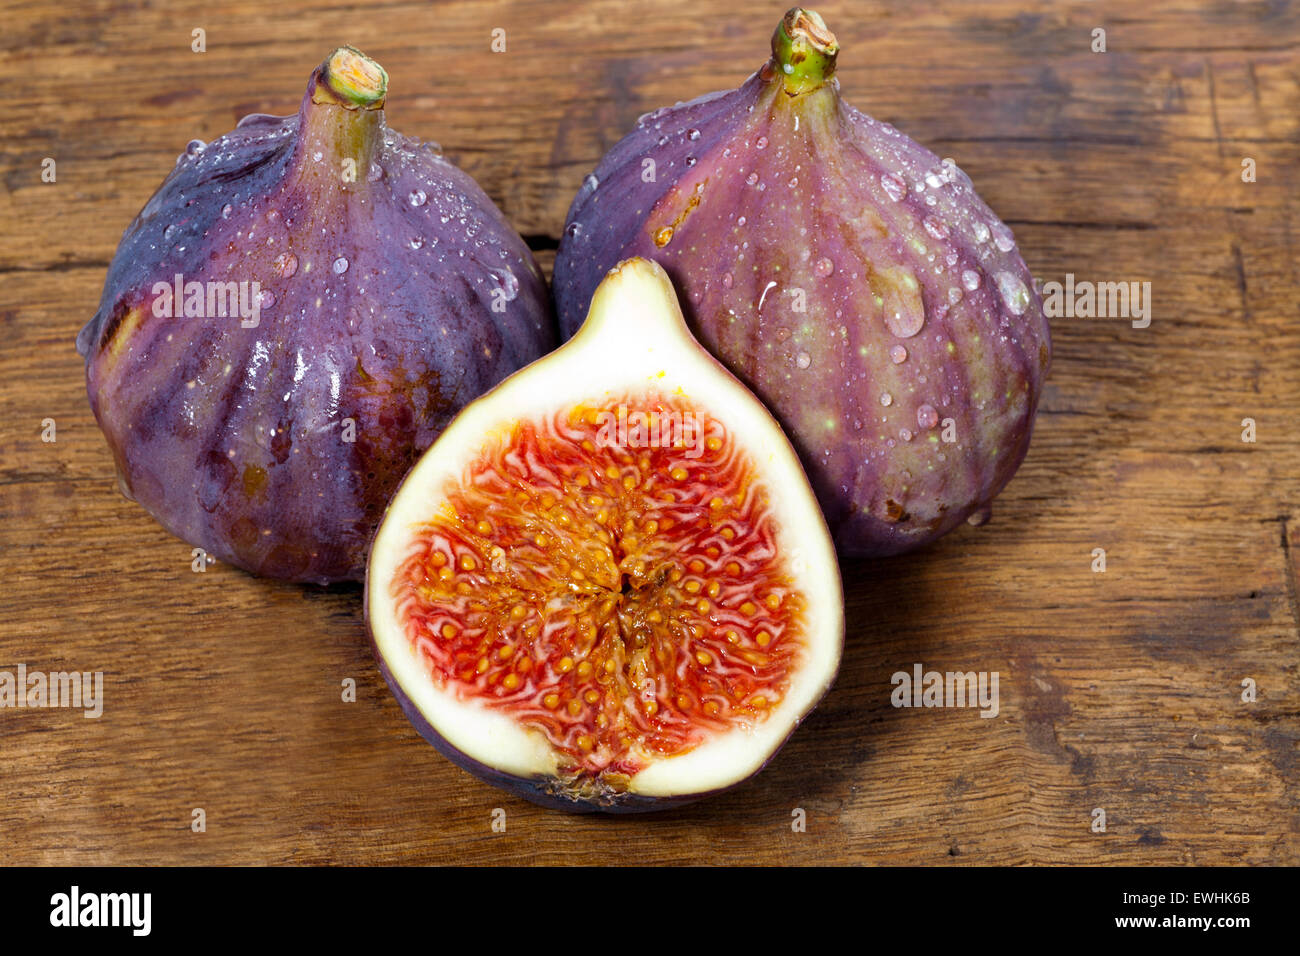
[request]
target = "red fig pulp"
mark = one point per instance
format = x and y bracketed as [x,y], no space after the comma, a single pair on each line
[294,316]
[850,277]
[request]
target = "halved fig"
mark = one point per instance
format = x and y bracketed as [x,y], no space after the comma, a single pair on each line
[608,585]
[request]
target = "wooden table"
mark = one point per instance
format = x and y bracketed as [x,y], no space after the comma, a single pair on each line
[1120,690]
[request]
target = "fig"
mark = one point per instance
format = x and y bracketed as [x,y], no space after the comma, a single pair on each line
[297,312]
[853,280]
[607,586]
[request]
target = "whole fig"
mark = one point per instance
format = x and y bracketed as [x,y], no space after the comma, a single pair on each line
[850,277]
[293,317]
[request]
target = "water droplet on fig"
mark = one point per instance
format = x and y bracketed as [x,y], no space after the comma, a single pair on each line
[417,197]
[226,210]
[265,299]
[194,147]
[980,516]
[898,355]
[970,279]
[591,183]
[904,310]
[794,181]
[169,231]
[727,280]
[340,265]
[823,268]
[752,178]
[927,417]
[374,173]
[904,434]
[886,399]
[508,282]
[417,242]
[803,360]
[935,227]
[690,160]
[893,186]
[692,134]
[761,142]
[664,236]
[934,180]
[954,296]
[1013,292]
[1003,239]
[317,155]
[741,221]
[981,231]
[286,264]
[572,230]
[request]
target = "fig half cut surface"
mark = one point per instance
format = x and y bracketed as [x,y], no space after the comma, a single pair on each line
[607,585]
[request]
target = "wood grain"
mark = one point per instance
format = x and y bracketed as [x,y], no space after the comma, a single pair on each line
[1120,690]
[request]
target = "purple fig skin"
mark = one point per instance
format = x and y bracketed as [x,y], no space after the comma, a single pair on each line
[392,293]
[909,380]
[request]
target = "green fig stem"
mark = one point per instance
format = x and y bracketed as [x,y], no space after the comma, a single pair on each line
[803,51]
[342,114]
[351,79]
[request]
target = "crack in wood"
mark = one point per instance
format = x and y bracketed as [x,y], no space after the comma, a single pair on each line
[1241,279]
[1082,224]
[1290,571]
[1214,107]
[66,265]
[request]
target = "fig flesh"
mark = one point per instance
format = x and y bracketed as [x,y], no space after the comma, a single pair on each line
[846,274]
[293,317]
[607,585]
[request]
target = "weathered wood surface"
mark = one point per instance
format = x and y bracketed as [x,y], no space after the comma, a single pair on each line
[1120,690]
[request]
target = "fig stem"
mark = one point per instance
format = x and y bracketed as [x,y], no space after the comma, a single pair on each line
[352,80]
[342,116]
[803,51]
